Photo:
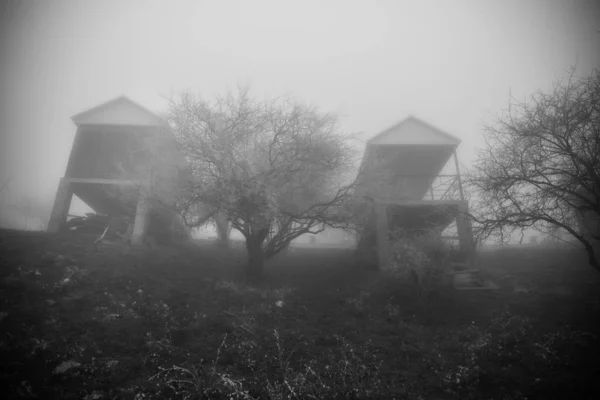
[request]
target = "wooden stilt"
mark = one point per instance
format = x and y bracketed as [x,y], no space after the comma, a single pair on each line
[141,219]
[465,233]
[382,232]
[62,203]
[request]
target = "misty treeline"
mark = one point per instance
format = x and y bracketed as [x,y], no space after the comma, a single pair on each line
[21,211]
[540,166]
[277,169]
[273,169]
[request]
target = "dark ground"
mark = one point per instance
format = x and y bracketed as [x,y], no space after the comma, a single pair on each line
[82,324]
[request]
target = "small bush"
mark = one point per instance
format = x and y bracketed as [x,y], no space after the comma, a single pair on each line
[421,258]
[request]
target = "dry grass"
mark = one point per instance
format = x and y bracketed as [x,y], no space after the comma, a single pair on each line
[182,323]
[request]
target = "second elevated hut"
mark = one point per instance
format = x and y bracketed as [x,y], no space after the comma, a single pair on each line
[401,179]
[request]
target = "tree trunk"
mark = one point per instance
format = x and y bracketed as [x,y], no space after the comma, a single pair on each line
[256,257]
[592,256]
[589,227]
[223,229]
[285,249]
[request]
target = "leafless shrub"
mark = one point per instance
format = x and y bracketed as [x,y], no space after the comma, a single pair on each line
[421,258]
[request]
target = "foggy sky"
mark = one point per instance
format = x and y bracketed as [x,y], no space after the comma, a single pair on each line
[451,63]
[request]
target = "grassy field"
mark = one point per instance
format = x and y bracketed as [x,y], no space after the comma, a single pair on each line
[123,323]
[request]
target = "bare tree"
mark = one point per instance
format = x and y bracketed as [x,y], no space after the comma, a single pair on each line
[276,169]
[540,167]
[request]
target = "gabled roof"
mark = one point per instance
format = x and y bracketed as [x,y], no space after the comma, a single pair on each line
[119,111]
[414,131]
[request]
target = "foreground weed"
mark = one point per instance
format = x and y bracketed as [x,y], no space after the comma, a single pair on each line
[358,303]
[195,382]
[345,375]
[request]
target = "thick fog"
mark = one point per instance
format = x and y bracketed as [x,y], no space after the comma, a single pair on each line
[453,64]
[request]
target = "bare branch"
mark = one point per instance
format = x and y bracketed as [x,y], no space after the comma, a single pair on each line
[541,165]
[275,169]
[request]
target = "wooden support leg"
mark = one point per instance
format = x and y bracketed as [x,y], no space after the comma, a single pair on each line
[62,203]
[465,233]
[383,236]
[141,219]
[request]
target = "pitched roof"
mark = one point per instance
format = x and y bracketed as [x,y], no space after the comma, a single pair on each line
[119,111]
[414,131]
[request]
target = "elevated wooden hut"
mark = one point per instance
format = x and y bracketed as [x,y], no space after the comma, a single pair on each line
[401,179]
[123,163]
